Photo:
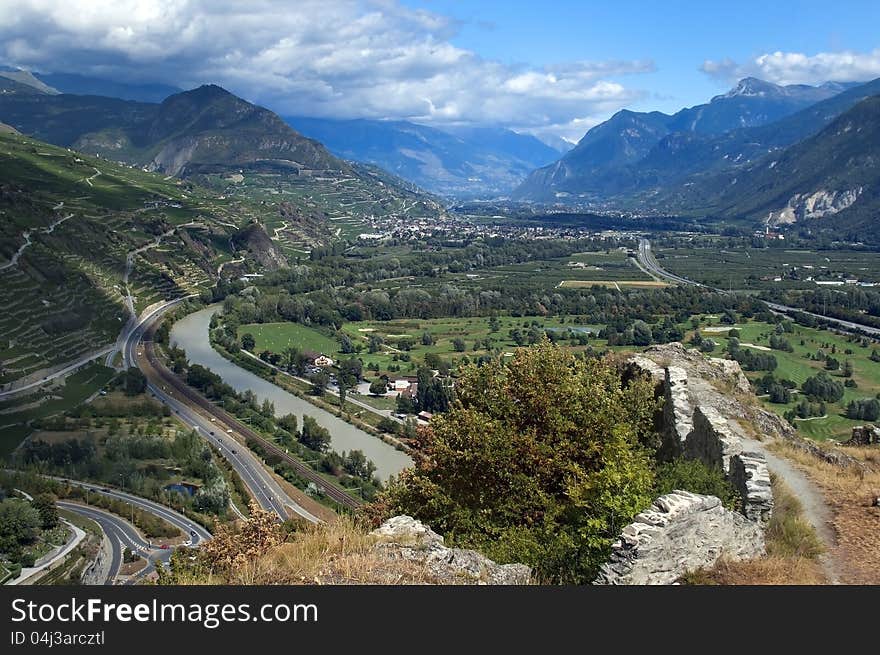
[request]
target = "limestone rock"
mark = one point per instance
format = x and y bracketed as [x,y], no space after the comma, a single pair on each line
[681,532]
[748,472]
[712,441]
[403,537]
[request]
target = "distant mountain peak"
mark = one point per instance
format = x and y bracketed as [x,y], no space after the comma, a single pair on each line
[750,87]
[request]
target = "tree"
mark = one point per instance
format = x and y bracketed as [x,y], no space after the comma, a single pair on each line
[823,387]
[45,505]
[379,387]
[314,436]
[357,464]
[346,346]
[135,382]
[288,422]
[459,345]
[847,369]
[350,371]
[388,425]
[248,342]
[319,383]
[562,450]
[427,339]
[642,335]
[19,523]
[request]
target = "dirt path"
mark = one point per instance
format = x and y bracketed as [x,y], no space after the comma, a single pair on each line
[815,507]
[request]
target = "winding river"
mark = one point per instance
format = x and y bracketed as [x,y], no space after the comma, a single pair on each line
[191,334]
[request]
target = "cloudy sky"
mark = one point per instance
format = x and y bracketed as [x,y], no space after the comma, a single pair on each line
[549,68]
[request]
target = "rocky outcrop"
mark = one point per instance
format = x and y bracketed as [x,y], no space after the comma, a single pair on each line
[699,421]
[818,204]
[678,410]
[711,440]
[681,532]
[98,572]
[254,239]
[750,476]
[403,537]
[864,435]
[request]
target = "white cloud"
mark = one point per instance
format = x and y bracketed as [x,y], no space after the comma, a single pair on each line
[798,68]
[344,59]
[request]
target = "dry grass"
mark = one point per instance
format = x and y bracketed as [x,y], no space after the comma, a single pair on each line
[793,549]
[341,552]
[849,493]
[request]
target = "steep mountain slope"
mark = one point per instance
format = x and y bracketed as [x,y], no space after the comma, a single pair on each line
[635,151]
[751,103]
[835,173]
[458,162]
[241,151]
[623,139]
[69,224]
[206,128]
[92,86]
[27,79]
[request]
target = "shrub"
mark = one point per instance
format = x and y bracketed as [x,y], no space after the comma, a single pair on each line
[563,451]
[694,476]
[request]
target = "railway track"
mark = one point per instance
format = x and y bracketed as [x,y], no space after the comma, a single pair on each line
[161,372]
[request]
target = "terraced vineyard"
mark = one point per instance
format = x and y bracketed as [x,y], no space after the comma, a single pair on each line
[301,211]
[69,225]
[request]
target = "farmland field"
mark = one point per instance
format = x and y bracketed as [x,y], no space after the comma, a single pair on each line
[279,336]
[77,388]
[402,339]
[757,268]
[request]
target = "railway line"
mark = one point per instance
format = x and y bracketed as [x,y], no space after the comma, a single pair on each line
[156,371]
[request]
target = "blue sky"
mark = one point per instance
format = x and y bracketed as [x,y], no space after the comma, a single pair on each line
[550,68]
[678,36]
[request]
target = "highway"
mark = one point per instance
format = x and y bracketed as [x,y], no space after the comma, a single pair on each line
[649,262]
[121,534]
[193,530]
[208,421]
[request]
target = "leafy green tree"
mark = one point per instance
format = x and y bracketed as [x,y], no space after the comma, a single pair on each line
[248,342]
[543,460]
[288,422]
[313,435]
[459,345]
[378,387]
[45,505]
[135,382]
[695,476]
[823,387]
[19,523]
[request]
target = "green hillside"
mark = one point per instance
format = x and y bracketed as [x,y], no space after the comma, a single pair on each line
[69,222]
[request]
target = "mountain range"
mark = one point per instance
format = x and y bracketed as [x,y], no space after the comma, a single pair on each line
[206,129]
[633,151]
[833,175]
[455,162]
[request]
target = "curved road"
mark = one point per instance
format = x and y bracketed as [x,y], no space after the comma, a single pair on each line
[262,485]
[193,530]
[649,263]
[121,534]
